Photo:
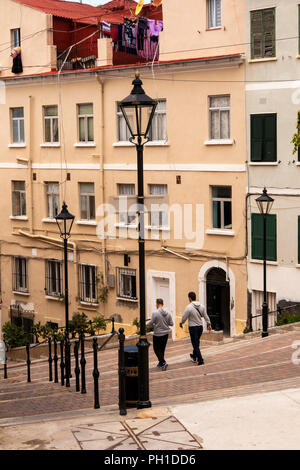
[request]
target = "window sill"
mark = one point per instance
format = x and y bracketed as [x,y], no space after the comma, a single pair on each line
[219,142]
[50,145]
[18,217]
[259,261]
[216,28]
[27,294]
[53,297]
[16,146]
[86,222]
[263,59]
[49,221]
[153,143]
[127,300]
[85,144]
[226,232]
[263,163]
[161,229]
[134,227]
[298,164]
[89,304]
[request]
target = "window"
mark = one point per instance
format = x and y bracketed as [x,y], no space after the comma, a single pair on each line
[127,283]
[158,218]
[214,13]
[221,207]
[87,201]
[50,124]
[85,122]
[88,283]
[15,37]
[257,228]
[263,33]
[18,198]
[219,117]
[20,274]
[18,132]
[298,239]
[126,190]
[54,278]
[52,196]
[263,137]
[158,130]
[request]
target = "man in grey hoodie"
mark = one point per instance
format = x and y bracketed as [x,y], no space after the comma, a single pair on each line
[194,313]
[162,320]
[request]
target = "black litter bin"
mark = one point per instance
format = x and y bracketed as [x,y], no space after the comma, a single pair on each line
[132,372]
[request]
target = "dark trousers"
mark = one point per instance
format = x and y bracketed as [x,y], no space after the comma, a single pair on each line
[195,334]
[159,346]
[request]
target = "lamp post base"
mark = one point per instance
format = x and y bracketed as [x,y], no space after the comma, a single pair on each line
[143,404]
[265,313]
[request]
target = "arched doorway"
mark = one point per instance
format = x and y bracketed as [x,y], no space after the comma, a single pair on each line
[218,300]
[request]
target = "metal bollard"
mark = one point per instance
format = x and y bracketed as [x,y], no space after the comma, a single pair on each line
[67,361]
[82,363]
[122,374]
[112,325]
[55,359]
[5,363]
[50,360]
[28,362]
[96,374]
[77,368]
[62,364]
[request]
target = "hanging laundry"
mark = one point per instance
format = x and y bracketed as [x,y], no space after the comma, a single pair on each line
[157,3]
[142,30]
[114,32]
[17,60]
[139,7]
[106,29]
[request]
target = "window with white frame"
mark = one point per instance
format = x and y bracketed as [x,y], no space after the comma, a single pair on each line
[18,198]
[51,134]
[158,130]
[20,274]
[15,37]
[88,283]
[17,122]
[126,283]
[214,13]
[54,278]
[87,201]
[85,122]
[52,197]
[158,218]
[126,218]
[221,207]
[219,117]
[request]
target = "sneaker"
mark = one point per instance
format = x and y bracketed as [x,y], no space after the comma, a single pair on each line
[200,363]
[164,367]
[193,358]
[158,365]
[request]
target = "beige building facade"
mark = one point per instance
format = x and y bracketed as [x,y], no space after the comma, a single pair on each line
[63,139]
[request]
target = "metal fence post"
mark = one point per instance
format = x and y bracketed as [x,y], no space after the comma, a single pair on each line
[96,374]
[28,362]
[67,361]
[77,368]
[82,363]
[5,363]
[122,374]
[55,358]
[112,325]
[50,360]
[62,364]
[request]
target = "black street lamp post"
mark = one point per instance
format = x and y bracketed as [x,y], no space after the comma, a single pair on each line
[138,110]
[265,203]
[65,221]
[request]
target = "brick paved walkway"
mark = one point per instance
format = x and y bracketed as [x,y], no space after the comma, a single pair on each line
[230,369]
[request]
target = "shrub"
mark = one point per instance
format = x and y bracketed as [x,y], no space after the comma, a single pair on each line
[14,335]
[287,319]
[136,323]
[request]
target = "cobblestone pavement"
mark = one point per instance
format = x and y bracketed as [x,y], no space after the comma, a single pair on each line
[232,369]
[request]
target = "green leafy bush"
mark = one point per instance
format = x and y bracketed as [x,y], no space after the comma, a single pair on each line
[136,323]
[285,319]
[14,336]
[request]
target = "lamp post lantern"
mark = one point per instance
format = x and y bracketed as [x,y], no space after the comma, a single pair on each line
[138,110]
[65,221]
[265,203]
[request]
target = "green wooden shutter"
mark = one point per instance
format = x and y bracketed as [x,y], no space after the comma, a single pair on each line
[257,230]
[268,19]
[270,138]
[257,132]
[256,34]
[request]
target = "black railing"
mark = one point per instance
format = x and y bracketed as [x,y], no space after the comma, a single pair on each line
[278,312]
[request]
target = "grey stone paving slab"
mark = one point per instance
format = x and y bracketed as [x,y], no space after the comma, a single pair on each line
[168,425]
[179,437]
[152,444]
[102,444]
[140,425]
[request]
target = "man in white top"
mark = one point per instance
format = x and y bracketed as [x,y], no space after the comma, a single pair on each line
[194,313]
